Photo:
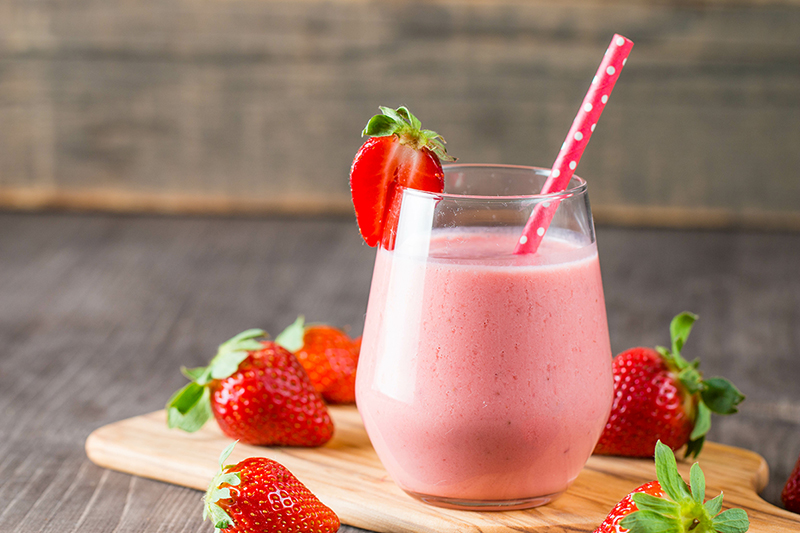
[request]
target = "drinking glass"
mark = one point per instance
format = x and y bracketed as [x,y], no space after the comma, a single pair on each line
[484,379]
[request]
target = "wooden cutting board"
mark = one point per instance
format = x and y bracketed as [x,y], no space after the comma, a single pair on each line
[348,477]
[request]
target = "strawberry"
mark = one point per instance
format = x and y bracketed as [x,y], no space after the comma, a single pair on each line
[398,154]
[259,495]
[627,506]
[328,355]
[790,496]
[257,391]
[669,505]
[659,395]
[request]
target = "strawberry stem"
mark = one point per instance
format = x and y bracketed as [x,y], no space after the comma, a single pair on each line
[408,129]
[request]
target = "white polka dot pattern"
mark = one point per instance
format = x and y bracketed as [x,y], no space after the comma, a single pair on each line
[578,137]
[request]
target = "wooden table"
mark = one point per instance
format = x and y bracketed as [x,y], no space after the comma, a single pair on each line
[98,313]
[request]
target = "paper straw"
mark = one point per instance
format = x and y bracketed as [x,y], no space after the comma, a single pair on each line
[578,137]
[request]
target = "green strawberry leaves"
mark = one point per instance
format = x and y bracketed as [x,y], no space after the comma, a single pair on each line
[679,330]
[408,129]
[233,351]
[190,408]
[691,378]
[717,395]
[380,126]
[650,522]
[682,508]
[731,521]
[391,121]
[216,492]
[697,483]
[292,337]
[648,502]
[668,476]
[702,423]
[721,396]
[714,506]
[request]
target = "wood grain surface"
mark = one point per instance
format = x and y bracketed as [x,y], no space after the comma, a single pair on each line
[98,313]
[348,477]
[130,105]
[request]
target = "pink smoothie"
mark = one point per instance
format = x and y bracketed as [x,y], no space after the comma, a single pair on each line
[484,375]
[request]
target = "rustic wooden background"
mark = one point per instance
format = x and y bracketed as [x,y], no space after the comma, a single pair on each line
[256,105]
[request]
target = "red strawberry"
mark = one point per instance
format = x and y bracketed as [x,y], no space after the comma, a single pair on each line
[259,495]
[791,491]
[259,394]
[398,154]
[328,355]
[669,505]
[659,395]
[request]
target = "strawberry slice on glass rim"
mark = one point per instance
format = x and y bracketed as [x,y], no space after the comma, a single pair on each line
[398,153]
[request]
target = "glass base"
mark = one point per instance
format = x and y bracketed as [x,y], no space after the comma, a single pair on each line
[485,505]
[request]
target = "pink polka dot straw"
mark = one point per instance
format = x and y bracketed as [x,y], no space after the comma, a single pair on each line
[578,137]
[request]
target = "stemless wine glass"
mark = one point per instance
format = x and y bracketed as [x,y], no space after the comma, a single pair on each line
[484,379]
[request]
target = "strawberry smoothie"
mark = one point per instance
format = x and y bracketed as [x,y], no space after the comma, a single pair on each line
[485,377]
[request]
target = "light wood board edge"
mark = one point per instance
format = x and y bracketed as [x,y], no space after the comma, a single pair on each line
[740,490]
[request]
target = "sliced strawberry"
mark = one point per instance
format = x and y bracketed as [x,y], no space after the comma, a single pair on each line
[398,154]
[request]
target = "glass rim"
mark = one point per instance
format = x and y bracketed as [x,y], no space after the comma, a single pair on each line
[580,188]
